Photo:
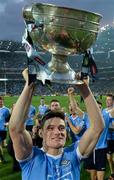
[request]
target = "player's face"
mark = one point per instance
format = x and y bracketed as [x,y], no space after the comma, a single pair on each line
[1,103]
[55,106]
[71,111]
[109,101]
[54,133]
[42,101]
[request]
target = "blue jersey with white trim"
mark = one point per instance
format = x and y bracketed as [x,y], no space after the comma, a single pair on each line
[43,166]
[77,122]
[102,142]
[42,109]
[4,117]
[110,135]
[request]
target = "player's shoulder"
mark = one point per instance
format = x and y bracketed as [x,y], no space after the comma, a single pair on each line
[5,108]
[105,111]
[71,147]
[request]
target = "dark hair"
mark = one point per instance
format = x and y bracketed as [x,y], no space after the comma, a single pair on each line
[54,100]
[110,95]
[1,98]
[42,98]
[52,114]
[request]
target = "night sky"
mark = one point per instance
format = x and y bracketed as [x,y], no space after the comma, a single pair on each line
[12,24]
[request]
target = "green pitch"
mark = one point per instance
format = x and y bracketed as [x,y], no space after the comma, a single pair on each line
[9,100]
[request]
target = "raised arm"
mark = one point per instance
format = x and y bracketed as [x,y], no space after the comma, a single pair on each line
[22,141]
[73,103]
[91,135]
[75,129]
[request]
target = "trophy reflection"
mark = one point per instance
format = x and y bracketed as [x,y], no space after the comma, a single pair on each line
[61,31]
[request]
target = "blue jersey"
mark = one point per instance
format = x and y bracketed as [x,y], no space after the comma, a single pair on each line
[77,122]
[102,142]
[31,114]
[42,166]
[86,121]
[4,117]
[110,133]
[42,109]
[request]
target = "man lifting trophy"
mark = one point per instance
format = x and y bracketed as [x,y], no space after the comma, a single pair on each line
[62,31]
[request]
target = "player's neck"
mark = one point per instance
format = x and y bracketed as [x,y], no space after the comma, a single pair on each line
[53,151]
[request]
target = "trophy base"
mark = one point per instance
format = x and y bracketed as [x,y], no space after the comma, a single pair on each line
[58,71]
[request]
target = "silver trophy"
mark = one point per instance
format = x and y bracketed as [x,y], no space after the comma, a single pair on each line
[61,31]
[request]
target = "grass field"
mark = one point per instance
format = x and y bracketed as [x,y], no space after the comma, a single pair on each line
[6,169]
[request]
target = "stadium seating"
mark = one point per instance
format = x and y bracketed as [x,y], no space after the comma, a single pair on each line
[13,60]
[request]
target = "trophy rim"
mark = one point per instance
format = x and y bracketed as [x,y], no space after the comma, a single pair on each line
[70,8]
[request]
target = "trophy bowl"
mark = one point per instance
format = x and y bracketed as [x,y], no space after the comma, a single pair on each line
[62,31]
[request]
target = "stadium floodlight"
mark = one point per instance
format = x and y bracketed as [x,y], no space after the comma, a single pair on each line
[3,79]
[3,50]
[22,52]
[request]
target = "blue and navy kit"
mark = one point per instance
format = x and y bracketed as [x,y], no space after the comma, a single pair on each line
[43,166]
[4,117]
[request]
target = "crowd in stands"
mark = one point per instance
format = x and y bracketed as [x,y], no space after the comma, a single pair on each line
[13,64]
